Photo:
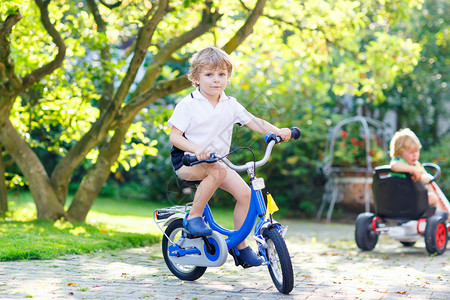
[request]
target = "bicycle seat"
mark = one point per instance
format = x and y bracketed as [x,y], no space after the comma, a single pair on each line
[396,195]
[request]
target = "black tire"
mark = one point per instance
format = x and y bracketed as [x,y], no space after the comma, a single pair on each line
[408,244]
[189,273]
[280,265]
[436,235]
[365,237]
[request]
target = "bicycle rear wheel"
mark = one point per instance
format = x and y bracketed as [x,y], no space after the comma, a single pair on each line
[280,265]
[185,272]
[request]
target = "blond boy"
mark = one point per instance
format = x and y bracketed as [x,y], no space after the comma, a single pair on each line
[202,123]
[404,150]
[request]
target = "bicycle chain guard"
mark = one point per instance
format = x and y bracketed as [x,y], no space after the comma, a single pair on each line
[193,251]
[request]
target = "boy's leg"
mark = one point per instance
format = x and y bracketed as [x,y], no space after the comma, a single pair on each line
[432,197]
[236,186]
[211,176]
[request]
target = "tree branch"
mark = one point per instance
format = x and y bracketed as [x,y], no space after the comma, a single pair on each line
[59,42]
[143,42]
[9,81]
[111,6]
[246,29]
[160,89]
[105,54]
[208,21]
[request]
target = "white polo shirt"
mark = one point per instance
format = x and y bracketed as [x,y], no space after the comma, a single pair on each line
[208,126]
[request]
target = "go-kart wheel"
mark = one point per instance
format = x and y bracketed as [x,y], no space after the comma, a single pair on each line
[436,235]
[408,244]
[365,237]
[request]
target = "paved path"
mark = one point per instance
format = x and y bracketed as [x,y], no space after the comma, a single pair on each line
[326,264]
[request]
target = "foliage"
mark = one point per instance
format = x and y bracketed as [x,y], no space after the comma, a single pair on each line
[350,148]
[7,8]
[421,97]
[438,154]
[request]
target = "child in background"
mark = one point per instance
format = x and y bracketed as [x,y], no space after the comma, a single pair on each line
[404,150]
[202,123]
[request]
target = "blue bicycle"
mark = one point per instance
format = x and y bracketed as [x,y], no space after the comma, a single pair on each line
[187,256]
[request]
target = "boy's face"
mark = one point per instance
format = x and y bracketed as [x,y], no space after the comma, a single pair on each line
[212,82]
[411,156]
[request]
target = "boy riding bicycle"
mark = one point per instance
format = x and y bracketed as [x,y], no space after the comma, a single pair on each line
[202,123]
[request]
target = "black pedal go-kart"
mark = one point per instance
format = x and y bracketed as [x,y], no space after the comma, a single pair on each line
[402,212]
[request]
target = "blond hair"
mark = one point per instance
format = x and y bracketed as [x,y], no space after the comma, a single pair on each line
[403,139]
[209,57]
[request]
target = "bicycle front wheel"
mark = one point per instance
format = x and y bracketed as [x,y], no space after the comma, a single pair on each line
[280,265]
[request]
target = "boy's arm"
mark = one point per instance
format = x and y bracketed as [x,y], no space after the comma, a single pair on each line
[426,177]
[178,140]
[264,127]
[402,167]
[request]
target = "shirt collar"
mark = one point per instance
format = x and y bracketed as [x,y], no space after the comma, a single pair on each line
[197,95]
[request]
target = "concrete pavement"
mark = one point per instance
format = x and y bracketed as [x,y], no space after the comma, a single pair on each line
[326,261]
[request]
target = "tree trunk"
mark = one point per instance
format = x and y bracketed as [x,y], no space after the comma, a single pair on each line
[3,195]
[94,180]
[47,204]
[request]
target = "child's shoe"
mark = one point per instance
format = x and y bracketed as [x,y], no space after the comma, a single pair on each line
[249,257]
[196,226]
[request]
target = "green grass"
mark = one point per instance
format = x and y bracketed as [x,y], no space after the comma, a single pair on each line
[110,224]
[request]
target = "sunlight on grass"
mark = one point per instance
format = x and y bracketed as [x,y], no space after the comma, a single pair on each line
[144,225]
[21,207]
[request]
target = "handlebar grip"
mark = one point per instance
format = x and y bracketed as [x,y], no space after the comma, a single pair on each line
[189,159]
[295,133]
[437,169]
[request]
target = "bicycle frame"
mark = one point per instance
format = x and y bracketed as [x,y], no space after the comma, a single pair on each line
[187,256]
[256,209]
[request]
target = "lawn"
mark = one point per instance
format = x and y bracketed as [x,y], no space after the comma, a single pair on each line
[111,224]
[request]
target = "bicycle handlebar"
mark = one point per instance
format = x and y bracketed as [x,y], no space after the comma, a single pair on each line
[436,168]
[271,139]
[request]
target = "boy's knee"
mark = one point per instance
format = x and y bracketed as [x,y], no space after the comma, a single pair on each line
[244,196]
[218,172]
[247,193]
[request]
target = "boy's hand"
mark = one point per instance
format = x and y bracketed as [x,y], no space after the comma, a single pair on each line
[284,133]
[202,153]
[426,178]
[416,174]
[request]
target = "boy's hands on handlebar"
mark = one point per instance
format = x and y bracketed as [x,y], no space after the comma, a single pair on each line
[284,133]
[202,153]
